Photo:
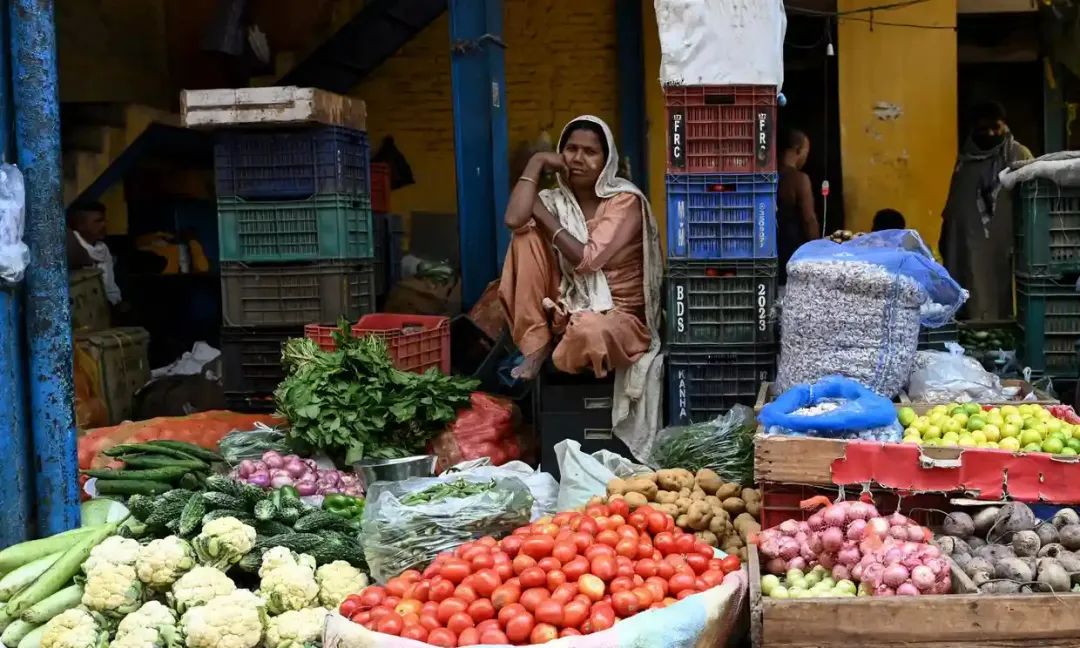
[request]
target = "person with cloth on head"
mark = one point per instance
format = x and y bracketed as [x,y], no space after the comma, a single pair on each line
[581,281]
[977,224]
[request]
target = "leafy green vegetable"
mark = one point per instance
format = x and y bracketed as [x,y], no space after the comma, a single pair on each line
[724,444]
[447,490]
[353,403]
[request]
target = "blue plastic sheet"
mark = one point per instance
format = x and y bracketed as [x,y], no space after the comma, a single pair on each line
[859,412]
[901,252]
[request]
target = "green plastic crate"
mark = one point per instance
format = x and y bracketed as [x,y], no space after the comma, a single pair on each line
[291,295]
[1047,228]
[1048,313]
[324,227]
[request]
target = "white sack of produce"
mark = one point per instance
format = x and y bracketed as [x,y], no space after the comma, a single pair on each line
[854,309]
[584,475]
[705,619]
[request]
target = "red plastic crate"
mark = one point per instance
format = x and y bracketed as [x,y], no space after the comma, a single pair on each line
[721,129]
[380,187]
[417,342]
[780,502]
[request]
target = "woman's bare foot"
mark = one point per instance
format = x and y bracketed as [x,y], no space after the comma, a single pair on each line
[531,364]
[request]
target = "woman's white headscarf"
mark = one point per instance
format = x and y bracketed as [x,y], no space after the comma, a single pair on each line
[636,412]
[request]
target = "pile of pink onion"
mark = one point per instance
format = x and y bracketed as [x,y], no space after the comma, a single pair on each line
[856,542]
[275,470]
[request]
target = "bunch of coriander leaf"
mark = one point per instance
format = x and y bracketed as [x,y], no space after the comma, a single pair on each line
[353,404]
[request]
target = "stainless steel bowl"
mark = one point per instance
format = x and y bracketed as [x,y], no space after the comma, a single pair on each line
[373,470]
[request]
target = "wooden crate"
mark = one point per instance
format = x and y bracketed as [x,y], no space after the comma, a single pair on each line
[253,107]
[950,621]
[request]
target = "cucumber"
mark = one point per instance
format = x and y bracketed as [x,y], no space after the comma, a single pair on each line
[169,474]
[65,599]
[15,632]
[33,640]
[160,461]
[190,448]
[131,487]
[191,516]
[146,448]
[14,581]
[17,555]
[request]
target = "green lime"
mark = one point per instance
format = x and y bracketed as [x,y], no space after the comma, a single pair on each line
[1053,445]
[1033,447]
[1073,443]
[1068,452]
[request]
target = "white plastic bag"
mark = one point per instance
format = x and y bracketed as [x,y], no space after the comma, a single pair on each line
[542,486]
[950,376]
[14,255]
[583,476]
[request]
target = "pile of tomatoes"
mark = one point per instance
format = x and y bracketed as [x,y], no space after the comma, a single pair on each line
[573,574]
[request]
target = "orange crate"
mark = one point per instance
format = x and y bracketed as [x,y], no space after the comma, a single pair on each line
[417,342]
[380,187]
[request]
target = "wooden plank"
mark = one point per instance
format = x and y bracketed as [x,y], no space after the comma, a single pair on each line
[950,621]
[272,106]
[795,460]
[755,596]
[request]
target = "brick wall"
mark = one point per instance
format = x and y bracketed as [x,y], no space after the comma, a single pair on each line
[560,62]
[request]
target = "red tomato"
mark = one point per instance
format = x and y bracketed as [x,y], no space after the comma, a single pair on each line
[555,578]
[432,570]
[705,550]
[487,541]
[429,622]
[482,561]
[549,564]
[627,547]
[664,569]
[511,544]
[538,546]
[624,569]
[620,584]
[564,593]
[562,519]
[531,598]
[372,596]
[419,590]
[730,563]
[564,551]
[505,595]
[417,632]
[449,607]
[604,567]
[575,568]
[361,617]
[644,596]
[712,577]
[523,562]
[442,637]
[490,624]
[485,581]
[469,637]
[390,624]
[644,548]
[597,510]
[515,581]
[581,540]
[638,520]
[601,619]
[532,577]
[664,542]
[380,612]
[599,550]
[697,562]
[455,570]
[684,544]
[659,586]
[474,551]
[543,633]
[465,593]
[349,607]
[431,607]
[680,582]
[575,613]
[504,570]
[657,521]
[391,602]
[481,610]
[619,506]
[686,592]
[494,636]
[608,537]
[645,567]
[549,611]
[396,587]
[519,627]
[587,525]
[408,606]
[625,604]
[458,622]
[510,611]
[591,586]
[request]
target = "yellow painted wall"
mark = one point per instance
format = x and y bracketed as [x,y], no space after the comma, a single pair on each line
[560,62]
[904,161]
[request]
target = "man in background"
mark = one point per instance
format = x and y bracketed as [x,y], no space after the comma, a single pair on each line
[86,245]
[796,221]
[977,224]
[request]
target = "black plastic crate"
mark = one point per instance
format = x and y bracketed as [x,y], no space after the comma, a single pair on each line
[389,250]
[575,407]
[296,163]
[931,339]
[282,295]
[704,381]
[721,302]
[251,357]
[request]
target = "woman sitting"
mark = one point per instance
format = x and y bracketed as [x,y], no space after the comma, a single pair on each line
[581,282]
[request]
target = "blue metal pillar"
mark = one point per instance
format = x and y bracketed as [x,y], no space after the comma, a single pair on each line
[480,140]
[630,57]
[48,316]
[15,497]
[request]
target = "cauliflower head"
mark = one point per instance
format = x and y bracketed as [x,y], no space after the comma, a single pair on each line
[163,561]
[337,580]
[113,591]
[275,557]
[289,587]
[151,615]
[74,628]
[295,628]
[235,620]
[223,542]
[115,550]
[198,587]
[144,637]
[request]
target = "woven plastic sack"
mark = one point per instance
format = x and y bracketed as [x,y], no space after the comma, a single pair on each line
[398,536]
[856,412]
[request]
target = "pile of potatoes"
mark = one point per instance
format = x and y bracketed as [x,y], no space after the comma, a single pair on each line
[725,515]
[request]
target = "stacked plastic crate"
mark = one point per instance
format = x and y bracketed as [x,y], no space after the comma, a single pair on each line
[1048,277]
[721,271]
[297,245]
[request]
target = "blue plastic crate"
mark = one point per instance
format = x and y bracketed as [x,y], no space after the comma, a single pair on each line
[292,164]
[721,216]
